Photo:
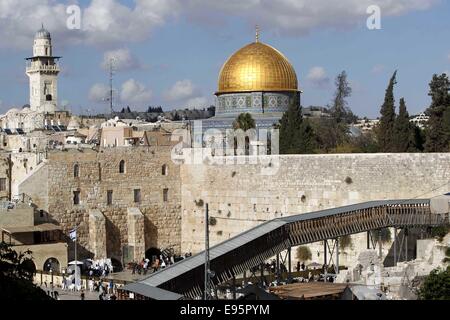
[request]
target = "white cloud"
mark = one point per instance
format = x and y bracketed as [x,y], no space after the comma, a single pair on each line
[378,68]
[98,92]
[110,23]
[185,94]
[134,92]
[103,22]
[302,16]
[448,57]
[197,103]
[123,60]
[181,90]
[318,77]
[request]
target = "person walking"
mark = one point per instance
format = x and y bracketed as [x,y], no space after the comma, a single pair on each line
[82,295]
[298,266]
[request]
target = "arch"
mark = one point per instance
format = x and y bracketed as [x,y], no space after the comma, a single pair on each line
[152,252]
[117,265]
[51,264]
[122,166]
[165,170]
[76,170]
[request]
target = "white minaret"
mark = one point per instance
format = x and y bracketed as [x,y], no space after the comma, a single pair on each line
[43,70]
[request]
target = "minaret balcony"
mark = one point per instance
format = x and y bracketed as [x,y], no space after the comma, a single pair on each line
[43,68]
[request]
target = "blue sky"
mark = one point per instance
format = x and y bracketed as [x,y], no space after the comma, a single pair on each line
[171,51]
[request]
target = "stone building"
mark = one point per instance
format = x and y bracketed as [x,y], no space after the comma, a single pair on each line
[124,200]
[26,228]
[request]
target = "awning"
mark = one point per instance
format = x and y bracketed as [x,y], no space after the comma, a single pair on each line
[152,292]
[38,228]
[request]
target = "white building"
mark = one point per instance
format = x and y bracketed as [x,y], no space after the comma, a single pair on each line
[420,120]
[43,70]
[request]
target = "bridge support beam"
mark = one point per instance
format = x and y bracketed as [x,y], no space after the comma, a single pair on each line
[289,265]
[333,250]
[233,289]
[262,275]
[278,269]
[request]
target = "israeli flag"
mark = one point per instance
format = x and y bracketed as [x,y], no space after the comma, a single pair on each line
[73,234]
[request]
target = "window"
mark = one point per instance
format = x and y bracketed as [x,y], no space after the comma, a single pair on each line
[122,167]
[137,195]
[2,184]
[76,198]
[109,197]
[166,195]
[165,170]
[76,171]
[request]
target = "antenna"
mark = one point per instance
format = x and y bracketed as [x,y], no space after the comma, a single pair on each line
[112,62]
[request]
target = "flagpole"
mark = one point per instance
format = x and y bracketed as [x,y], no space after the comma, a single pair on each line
[76,257]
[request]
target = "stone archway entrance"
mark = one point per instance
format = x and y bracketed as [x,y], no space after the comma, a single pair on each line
[152,253]
[51,264]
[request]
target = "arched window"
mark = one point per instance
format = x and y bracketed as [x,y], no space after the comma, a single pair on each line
[51,264]
[76,171]
[165,170]
[122,166]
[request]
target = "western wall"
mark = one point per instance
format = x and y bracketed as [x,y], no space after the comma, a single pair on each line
[241,197]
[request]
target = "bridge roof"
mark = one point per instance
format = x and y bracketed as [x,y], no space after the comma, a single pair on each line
[186,265]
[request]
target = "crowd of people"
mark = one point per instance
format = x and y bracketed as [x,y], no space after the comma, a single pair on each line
[100,268]
[156,263]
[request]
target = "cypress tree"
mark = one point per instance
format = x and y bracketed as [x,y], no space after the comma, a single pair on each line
[406,136]
[386,127]
[437,131]
[296,134]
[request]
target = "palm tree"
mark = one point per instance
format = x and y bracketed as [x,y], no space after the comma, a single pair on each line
[244,121]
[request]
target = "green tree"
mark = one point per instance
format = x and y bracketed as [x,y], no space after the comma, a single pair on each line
[16,276]
[436,285]
[296,134]
[406,138]
[339,109]
[244,121]
[304,253]
[329,134]
[438,127]
[386,127]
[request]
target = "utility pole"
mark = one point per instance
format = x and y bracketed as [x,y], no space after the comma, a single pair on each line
[111,76]
[206,293]
[111,89]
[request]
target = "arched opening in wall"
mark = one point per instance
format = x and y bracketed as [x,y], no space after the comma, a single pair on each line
[76,171]
[117,265]
[48,97]
[152,253]
[122,166]
[165,170]
[247,145]
[51,264]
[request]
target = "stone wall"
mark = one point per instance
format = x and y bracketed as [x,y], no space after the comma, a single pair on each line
[240,197]
[97,234]
[5,175]
[99,173]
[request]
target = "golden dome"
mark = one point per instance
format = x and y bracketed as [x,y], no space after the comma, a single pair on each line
[257,67]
